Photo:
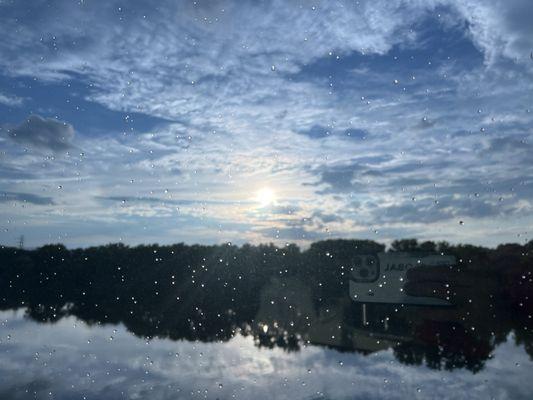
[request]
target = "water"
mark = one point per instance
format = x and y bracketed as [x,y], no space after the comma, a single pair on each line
[174,328]
[57,361]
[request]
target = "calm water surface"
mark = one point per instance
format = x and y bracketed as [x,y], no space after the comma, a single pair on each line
[70,359]
[106,323]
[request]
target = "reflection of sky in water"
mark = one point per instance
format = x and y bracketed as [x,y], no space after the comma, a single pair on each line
[69,359]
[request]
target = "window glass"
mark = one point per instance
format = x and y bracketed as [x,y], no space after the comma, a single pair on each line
[266,199]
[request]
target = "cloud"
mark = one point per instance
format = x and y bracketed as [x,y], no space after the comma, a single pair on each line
[427,211]
[283,209]
[356,133]
[510,144]
[7,197]
[252,91]
[13,173]
[326,218]
[10,101]
[425,123]
[43,133]
[323,132]
[292,233]
[339,178]
[159,200]
[316,132]
[502,28]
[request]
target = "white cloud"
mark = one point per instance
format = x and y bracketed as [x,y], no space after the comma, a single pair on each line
[501,28]
[11,101]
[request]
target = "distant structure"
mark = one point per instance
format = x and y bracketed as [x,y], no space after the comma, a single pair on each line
[21,242]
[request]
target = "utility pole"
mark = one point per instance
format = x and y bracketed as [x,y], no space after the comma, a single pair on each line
[21,242]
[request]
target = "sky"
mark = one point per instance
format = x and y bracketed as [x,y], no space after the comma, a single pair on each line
[265,121]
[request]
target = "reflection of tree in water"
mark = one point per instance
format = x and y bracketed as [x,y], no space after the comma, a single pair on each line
[452,348]
[282,297]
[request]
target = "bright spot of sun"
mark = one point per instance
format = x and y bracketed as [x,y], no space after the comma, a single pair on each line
[265,197]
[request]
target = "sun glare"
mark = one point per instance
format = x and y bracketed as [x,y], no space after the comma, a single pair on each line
[265,197]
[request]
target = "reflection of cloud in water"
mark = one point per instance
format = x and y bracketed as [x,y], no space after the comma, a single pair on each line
[69,358]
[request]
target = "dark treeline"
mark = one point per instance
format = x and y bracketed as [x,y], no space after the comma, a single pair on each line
[281,296]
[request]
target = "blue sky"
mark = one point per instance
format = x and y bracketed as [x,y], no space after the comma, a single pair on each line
[131,122]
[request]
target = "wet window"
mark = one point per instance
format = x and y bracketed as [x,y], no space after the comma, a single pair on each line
[271,199]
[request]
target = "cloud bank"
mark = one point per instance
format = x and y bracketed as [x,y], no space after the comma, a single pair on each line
[398,118]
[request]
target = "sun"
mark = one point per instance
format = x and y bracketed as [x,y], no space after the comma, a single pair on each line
[265,197]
